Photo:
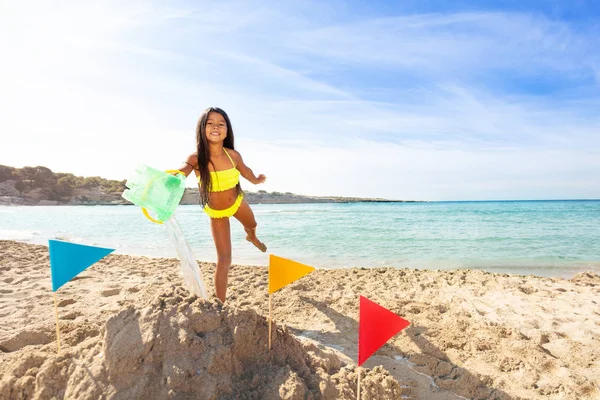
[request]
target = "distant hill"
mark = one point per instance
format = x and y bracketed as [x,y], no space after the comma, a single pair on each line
[40,186]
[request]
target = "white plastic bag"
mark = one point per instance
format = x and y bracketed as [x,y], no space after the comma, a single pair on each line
[189,266]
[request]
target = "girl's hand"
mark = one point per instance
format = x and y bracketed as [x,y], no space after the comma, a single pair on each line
[261,179]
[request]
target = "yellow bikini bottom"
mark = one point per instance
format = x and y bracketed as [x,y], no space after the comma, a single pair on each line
[226,213]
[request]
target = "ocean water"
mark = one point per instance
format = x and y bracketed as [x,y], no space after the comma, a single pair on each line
[544,238]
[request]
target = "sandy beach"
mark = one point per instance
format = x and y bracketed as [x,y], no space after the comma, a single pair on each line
[129,329]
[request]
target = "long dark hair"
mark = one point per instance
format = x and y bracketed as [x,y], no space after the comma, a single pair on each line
[204,155]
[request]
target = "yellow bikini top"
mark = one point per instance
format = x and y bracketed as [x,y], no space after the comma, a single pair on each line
[225,179]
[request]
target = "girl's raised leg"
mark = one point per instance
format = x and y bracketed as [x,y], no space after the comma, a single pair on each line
[245,215]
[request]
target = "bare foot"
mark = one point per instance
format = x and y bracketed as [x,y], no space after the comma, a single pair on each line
[251,237]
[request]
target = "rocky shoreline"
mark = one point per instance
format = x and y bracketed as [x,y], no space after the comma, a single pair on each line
[31,186]
[97,197]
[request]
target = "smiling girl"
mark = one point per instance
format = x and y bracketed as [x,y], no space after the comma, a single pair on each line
[218,168]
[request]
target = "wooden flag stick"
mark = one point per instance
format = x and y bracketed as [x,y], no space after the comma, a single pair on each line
[358,385]
[270,312]
[57,330]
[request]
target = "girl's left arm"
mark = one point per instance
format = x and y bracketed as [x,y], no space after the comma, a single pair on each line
[246,172]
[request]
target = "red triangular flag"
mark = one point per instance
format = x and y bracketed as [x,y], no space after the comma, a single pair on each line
[376,325]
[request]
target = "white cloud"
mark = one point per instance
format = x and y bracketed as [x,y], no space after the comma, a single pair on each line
[454,44]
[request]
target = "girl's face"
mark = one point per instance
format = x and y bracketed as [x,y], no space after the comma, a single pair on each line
[216,127]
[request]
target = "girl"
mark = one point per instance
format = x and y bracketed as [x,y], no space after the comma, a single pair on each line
[218,167]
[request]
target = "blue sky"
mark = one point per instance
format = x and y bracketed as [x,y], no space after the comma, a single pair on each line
[416,100]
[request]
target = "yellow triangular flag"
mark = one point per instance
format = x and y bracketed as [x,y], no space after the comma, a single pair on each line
[283,271]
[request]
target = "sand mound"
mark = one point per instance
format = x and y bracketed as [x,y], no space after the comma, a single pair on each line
[587,279]
[184,348]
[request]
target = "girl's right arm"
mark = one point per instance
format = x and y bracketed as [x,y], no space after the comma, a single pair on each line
[189,165]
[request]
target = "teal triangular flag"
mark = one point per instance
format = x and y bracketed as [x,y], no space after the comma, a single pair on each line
[68,259]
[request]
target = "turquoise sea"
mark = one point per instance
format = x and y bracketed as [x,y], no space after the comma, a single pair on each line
[545,238]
